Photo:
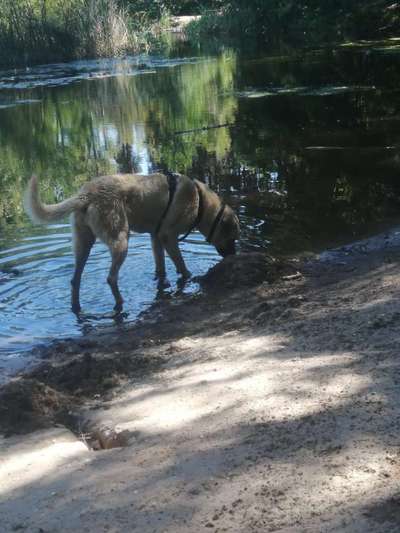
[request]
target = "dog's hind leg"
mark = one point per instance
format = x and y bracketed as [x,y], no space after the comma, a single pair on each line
[118,250]
[159,257]
[84,239]
[172,246]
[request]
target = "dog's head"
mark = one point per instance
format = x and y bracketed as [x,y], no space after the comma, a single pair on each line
[227,233]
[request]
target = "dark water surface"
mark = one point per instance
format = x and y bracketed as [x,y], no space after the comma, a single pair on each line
[306,150]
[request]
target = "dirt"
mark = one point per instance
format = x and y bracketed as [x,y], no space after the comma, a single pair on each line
[28,404]
[270,402]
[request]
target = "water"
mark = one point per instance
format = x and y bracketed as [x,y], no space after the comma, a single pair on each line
[304,145]
[34,293]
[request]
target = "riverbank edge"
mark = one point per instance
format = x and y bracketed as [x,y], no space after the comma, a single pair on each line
[79,372]
[154,37]
[270,402]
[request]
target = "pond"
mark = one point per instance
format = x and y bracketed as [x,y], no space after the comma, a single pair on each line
[303,144]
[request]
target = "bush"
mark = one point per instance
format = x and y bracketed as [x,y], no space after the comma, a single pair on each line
[272,21]
[47,30]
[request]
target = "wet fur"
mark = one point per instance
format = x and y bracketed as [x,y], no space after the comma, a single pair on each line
[110,207]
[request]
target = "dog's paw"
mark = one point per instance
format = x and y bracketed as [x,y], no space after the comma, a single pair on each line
[163,283]
[120,317]
[118,307]
[185,275]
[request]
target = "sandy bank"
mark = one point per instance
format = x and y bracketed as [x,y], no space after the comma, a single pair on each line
[273,406]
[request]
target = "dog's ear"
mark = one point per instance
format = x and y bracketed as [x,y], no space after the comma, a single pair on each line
[229,224]
[225,223]
[225,226]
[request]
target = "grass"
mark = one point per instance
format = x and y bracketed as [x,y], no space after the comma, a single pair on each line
[42,31]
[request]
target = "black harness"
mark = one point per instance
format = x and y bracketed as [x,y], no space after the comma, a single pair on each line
[216,222]
[171,179]
[200,211]
[172,184]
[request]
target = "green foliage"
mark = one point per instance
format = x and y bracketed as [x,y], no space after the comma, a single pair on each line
[272,21]
[32,31]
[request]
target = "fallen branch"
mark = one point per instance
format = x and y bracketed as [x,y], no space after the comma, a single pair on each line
[204,128]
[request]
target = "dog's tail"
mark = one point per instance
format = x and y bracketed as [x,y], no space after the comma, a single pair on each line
[45,213]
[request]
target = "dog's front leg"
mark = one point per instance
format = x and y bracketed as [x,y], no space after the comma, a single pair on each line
[172,246]
[159,257]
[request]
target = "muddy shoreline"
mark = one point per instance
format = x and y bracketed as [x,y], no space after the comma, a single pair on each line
[271,401]
[70,373]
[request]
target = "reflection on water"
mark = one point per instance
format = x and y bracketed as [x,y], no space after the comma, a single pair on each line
[304,146]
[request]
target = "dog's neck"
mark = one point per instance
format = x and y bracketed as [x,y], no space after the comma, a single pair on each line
[211,207]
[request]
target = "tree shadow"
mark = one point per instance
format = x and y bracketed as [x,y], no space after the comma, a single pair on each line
[293,422]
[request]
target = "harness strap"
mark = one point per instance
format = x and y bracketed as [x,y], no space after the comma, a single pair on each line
[171,179]
[216,222]
[200,211]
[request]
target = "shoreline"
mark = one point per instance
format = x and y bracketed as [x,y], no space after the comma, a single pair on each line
[270,407]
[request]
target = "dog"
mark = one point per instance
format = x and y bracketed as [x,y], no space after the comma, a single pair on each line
[164,205]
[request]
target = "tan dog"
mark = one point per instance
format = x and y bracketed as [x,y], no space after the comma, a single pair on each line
[164,206]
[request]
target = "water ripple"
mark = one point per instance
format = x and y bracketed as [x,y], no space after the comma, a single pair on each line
[35,291]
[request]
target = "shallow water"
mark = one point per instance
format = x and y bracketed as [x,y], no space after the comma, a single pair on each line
[34,299]
[35,288]
[304,145]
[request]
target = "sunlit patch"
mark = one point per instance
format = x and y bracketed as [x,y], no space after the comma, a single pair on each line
[35,458]
[241,373]
[256,344]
